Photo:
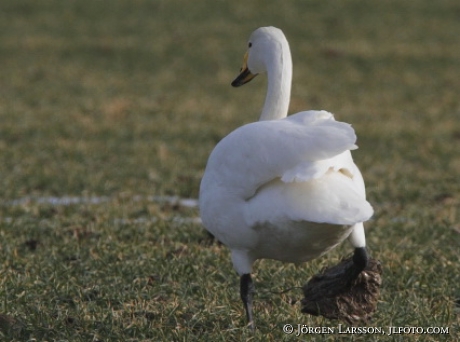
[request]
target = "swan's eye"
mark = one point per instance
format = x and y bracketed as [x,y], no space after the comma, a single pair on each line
[250,44]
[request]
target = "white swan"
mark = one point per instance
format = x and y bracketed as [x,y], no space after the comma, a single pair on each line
[283,188]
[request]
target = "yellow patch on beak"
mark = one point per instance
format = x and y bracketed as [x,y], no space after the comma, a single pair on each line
[245,75]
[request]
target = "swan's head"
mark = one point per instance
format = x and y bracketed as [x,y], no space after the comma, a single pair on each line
[265,46]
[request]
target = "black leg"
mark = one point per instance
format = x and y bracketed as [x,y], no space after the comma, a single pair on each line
[360,260]
[247,292]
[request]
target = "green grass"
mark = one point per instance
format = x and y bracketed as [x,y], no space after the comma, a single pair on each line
[126,99]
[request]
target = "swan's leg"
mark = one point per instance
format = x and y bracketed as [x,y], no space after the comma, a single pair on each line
[247,292]
[352,269]
[360,260]
[360,257]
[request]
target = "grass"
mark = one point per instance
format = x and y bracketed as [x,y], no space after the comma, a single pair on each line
[126,100]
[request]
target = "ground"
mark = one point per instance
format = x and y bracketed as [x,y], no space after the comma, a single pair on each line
[118,107]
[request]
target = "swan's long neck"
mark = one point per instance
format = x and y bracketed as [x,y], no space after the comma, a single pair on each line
[279,74]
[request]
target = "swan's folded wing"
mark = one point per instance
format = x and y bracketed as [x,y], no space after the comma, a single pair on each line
[292,149]
[333,199]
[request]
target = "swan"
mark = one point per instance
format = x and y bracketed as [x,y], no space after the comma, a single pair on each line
[284,187]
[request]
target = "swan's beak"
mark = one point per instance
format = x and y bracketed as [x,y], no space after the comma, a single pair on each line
[245,75]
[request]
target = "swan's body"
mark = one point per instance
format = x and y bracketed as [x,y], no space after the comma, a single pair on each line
[283,188]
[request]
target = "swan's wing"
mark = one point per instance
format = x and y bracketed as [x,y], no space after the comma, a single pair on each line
[332,198]
[297,148]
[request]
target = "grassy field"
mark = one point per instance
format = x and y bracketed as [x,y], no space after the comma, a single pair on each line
[109,107]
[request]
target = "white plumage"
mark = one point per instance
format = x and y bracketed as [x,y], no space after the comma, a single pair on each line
[283,188]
